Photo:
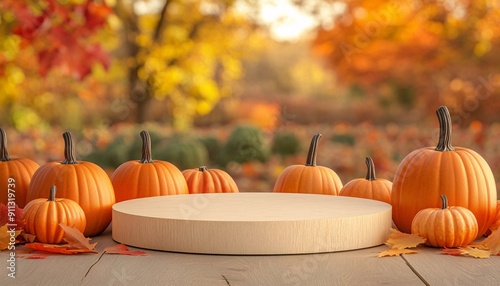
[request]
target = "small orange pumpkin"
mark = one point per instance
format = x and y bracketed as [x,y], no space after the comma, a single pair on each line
[203,180]
[370,187]
[43,216]
[15,175]
[309,178]
[83,182]
[147,177]
[446,226]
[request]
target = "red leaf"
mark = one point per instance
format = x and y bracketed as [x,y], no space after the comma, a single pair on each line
[452,251]
[15,220]
[123,250]
[55,248]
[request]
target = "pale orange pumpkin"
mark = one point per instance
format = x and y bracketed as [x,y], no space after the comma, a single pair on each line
[147,177]
[459,173]
[309,178]
[448,226]
[203,180]
[83,182]
[369,187]
[15,175]
[43,216]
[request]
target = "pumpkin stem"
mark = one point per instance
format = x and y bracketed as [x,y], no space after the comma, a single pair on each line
[444,202]
[4,155]
[312,153]
[52,194]
[444,142]
[202,168]
[370,172]
[69,151]
[146,147]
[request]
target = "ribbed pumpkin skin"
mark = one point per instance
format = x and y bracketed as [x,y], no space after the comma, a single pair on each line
[379,189]
[83,182]
[462,175]
[42,218]
[309,178]
[449,227]
[370,187]
[202,180]
[134,179]
[19,169]
[147,177]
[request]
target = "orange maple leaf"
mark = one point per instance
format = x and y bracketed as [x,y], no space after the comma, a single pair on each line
[76,243]
[75,238]
[123,250]
[400,240]
[475,252]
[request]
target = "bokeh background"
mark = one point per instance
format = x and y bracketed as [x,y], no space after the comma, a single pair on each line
[243,85]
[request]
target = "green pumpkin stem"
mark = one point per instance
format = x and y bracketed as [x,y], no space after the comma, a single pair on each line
[313,152]
[370,169]
[444,142]
[444,202]
[202,168]
[69,151]
[4,155]
[52,194]
[146,148]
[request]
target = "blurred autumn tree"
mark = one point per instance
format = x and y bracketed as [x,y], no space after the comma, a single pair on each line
[187,55]
[126,60]
[414,53]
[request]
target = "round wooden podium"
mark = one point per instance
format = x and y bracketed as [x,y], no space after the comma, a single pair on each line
[251,223]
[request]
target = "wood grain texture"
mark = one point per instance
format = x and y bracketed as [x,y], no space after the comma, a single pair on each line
[251,223]
[438,269]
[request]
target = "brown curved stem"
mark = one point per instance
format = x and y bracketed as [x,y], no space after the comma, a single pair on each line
[444,202]
[444,142]
[202,168]
[146,147]
[69,151]
[313,153]
[52,194]
[370,169]
[4,155]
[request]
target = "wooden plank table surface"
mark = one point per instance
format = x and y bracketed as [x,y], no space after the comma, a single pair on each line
[357,267]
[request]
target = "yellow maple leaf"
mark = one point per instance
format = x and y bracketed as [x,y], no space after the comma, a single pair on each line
[396,252]
[475,252]
[5,236]
[400,240]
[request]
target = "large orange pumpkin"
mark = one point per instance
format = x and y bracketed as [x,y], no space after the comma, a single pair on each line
[203,180]
[459,173]
[309,178]
[80,181]
[370,187]
[15,175]
[147,177]
[43,216]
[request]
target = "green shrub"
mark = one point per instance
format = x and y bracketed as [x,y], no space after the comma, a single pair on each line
[183,151]
[285,144]
[246,143]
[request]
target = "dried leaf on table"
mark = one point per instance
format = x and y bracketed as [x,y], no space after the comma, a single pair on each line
[452,251]
[475,252]
[123,250]
[75,238]
[400,240]
[56,248]
[76,243]
[396,252]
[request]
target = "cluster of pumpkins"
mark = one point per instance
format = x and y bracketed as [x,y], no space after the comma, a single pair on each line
[427,181]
